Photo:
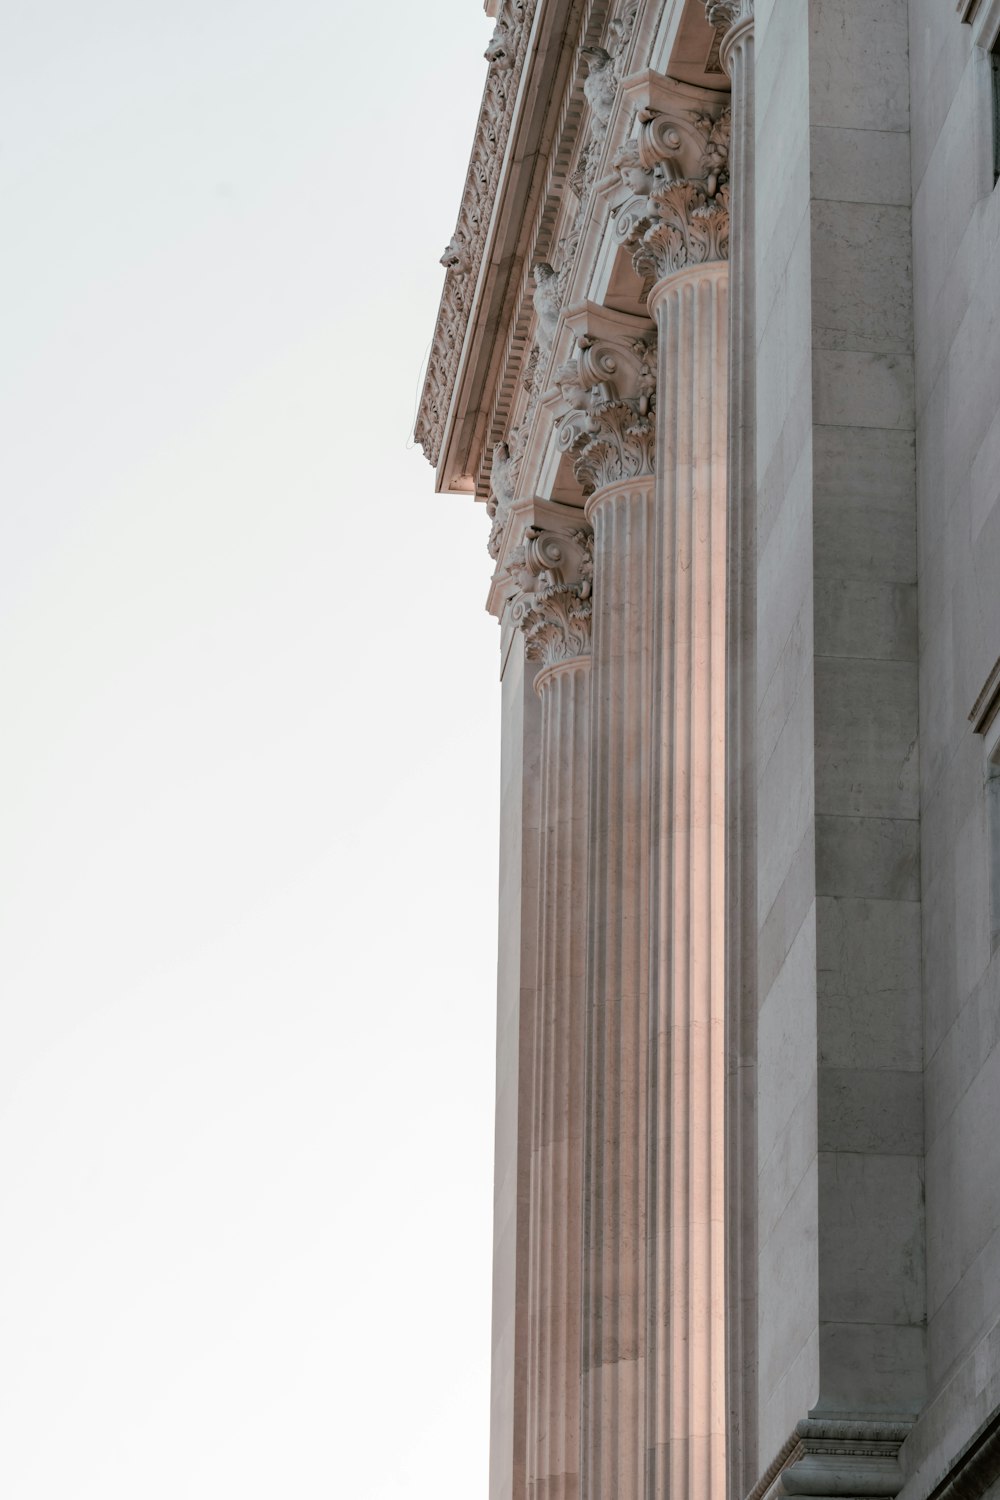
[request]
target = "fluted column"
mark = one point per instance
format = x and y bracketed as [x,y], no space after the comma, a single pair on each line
[687,1084]
[611,438]
[735,19]
[680,237]
[554,612]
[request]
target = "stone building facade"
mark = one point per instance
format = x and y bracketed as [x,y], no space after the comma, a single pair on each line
[719,351]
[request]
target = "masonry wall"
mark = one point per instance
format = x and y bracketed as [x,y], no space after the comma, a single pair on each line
[840,1134]
[956,221]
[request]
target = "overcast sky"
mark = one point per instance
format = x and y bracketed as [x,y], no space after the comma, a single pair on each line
[249,762]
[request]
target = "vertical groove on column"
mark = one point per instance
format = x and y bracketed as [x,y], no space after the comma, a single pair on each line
[741,830]
[557,1095]
[614,1343]
[686,1254]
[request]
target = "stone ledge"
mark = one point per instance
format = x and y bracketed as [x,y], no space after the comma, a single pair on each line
[837,1457]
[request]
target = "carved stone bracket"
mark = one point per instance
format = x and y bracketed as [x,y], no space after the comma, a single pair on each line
[609,393]
[554,572]
[503,482]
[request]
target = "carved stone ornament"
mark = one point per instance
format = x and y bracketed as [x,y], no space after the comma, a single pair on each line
[547,300]
[554,572]
[605,69]
[506,55]
[725,14]
[675,218]
[610,388]
[503,482]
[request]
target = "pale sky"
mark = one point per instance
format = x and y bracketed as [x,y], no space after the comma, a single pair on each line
[249,760]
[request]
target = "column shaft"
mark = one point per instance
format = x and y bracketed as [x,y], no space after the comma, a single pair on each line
[557,1091]
[621,845]
[686,1385]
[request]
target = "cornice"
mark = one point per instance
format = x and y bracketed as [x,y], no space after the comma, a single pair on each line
[480,346]
[533,99]
[463,259]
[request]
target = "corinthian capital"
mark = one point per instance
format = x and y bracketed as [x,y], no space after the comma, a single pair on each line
[677,171]
[725,14]
[609,392]
[554,571]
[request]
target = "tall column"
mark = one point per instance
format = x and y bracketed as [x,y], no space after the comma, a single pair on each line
[735,19]
[554,609]
[681,238]
[611,435]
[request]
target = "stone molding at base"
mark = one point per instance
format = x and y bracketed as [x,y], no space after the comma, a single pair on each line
[838,1457]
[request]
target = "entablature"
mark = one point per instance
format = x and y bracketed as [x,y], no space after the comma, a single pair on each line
[552,241]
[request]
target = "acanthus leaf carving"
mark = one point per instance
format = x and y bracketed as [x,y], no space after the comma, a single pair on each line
[725,14]
[554,573]
[609,429]
[672,219]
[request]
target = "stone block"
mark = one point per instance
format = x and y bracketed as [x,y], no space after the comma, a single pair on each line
[860,166]
[961,1052]
[861,617]
[871,1110]
[791,1156]
[786,1041]
[787,912]
[965,1315]
[785,573]
[985,482]
[794,1394]
[866,737]
[871,1238]
[963,1184]
[786,798]
[861,277]
[877,857]
[868,983]
[859,73]
[789,1285]
[792,671]
[872,1367]
[863,504]
[857,389]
